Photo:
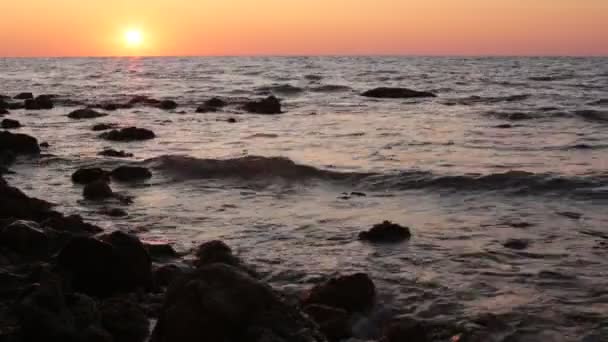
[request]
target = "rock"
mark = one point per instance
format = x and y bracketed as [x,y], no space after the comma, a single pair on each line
[103,127]
[113,212]
[40,102]
[134,266]
[334,323]
[25,238]
[85,113]
[9,124]
[215,252]
[211,105]
[504,126]
[167,105]
[114,153]
[89,175]
[15,204]
[206,109]
[353,293]
[131,173]
[73,224]
[24,96]
[231,120]
[518,244]
[160,250]
[386,232]
[44,144]
[269,105]
[166,274]
[4,111]
[396,93]
[18,143]
[219,303]
[84,310]
[407,331]
[97,190]
[124,320]
[571,215]
[128,134]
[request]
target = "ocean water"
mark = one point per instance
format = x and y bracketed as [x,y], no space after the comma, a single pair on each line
[512,148]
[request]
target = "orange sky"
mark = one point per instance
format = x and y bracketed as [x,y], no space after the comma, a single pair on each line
[304,27]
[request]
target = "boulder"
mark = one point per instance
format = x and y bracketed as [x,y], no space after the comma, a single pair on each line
[231,120]
[74,224]
[167,104]
[215,252]
[113,212]
[386,232]
[131,173]
[40,102]
[128,134]
[97,190]
[220,303]
[24,96]
[25,238]
[18,143]
[334,322]
[124,320]
[114,153]
[103,127]
[134,269]
[85,113]
[353,293]
[269,105]
[396,93]
[407,331]
[166,274]
[517,244]
[4,111]
[17,205]
[160,250]
[211,105]
[89,175]
[9,124]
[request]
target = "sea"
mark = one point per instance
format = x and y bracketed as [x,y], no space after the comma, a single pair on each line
[502,178]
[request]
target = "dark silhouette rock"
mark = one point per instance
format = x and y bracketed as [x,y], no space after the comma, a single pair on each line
[159,250]
[231,120]
[25,238]
[10,124]
[15,204]
[129,134]
[353,293]
[97,191]
[334,323]
[167,105]
[211,105]
[407,331]
[386,232]
[518,244]
[18,143]
[114,153]
[89,175]
[124,320]
[24,96]
[145,100]
[40,102]
[73,224]
[130,173]
[166,274]
[504,126]
[44,144]
[85,113]
[215,252]
[396,93]
[269,105]
[220,303]
[4,111]
[113,212]
[103,127]
[135,266]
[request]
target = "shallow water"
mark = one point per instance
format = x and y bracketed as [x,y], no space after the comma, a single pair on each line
[441,166]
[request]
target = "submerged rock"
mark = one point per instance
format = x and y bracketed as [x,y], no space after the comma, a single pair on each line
[396,93]
[97,190]
[89,175]
[518,244]
[85,113]
[269,105]
[128,134]
[103,127]
[386,232]
[40,102]
[24,96]
[10,124]
[167,104]
[353,293]
[114,153]
[220,303]
[18,143]
[131,173]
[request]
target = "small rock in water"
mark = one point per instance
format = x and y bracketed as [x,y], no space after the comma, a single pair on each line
[103,127]
[24,96]
[386,232]
[130,173]
[503,126]
[114,153]
[353,293]
[97,190]
[18,143]
[10,124]
[269,105]
[215,102]
[396,93]
[113,212]
[40,102]
[128,134]
[85,113]
[518,244]
[571,215]
[44,144]
[167,104]
[89,175]
[231,120]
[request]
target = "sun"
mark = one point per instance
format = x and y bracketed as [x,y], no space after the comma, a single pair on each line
[133,38]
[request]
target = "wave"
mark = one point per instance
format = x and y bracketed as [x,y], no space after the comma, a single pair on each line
[474,100]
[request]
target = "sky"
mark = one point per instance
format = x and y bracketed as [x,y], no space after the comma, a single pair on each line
[304,27]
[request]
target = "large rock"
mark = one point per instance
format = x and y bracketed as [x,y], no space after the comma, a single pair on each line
[18,143]
[15,204]
[97,190]
[386,232]
[89,175]
[128,134]
[24,96]
[130,173]
[215,252]
[135,270]
[334,323]
[269,105]
[40,102]
[10,124]
[220,303]
[73,224]
[26,238]
[396,93]
[124,320]
[353,293]
[85,113]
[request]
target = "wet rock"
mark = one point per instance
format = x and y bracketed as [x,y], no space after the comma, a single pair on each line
[220,303]
[84,310]
[25,238]
[215,252]
[128,134]
[160,250]
[231,120]
[89,175]
[131,173]
[503,126]
[40,102]
[396,93]
[85,113]
[97,190]
[44,144]
[269,105]
[24,96]
[334,323]
[10,124]
[113,212]
[4,111]
[145,100]
[518,244]
[114,153]
[166,274]
[407,331]
[18,143]
[386,232]
[103,127]
[124,320]
[167,104]
[353,293]
[73,224]
[211,105]
[17,205]
[134,266]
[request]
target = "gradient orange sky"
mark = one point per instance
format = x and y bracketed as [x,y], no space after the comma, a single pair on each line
[304,27]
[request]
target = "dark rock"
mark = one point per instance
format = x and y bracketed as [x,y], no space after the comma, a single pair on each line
[24,96]
[407,331]
[131,173]
[396,93]
[84,310]
[215,102]
[571,215]
[166,274]
[231,120]
[334,323]
[25,238]
[503,126]
[114,153]
[103,127]
[134,269]
[124,320]
[140,99]
[97,190]
[167,105]
[44,144]
[206,109]
[215,252]
[518,244]
[85,113]
[15,204]
[128,134]
[73,224]
[160,250]
[40,102]
[353,293]
[219,303]
[386,232]
[113,212]
[18,143]
[269,105]
[9,124]
[4,111]
[89,175]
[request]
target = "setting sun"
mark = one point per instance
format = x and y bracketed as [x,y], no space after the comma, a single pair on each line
[133,38]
